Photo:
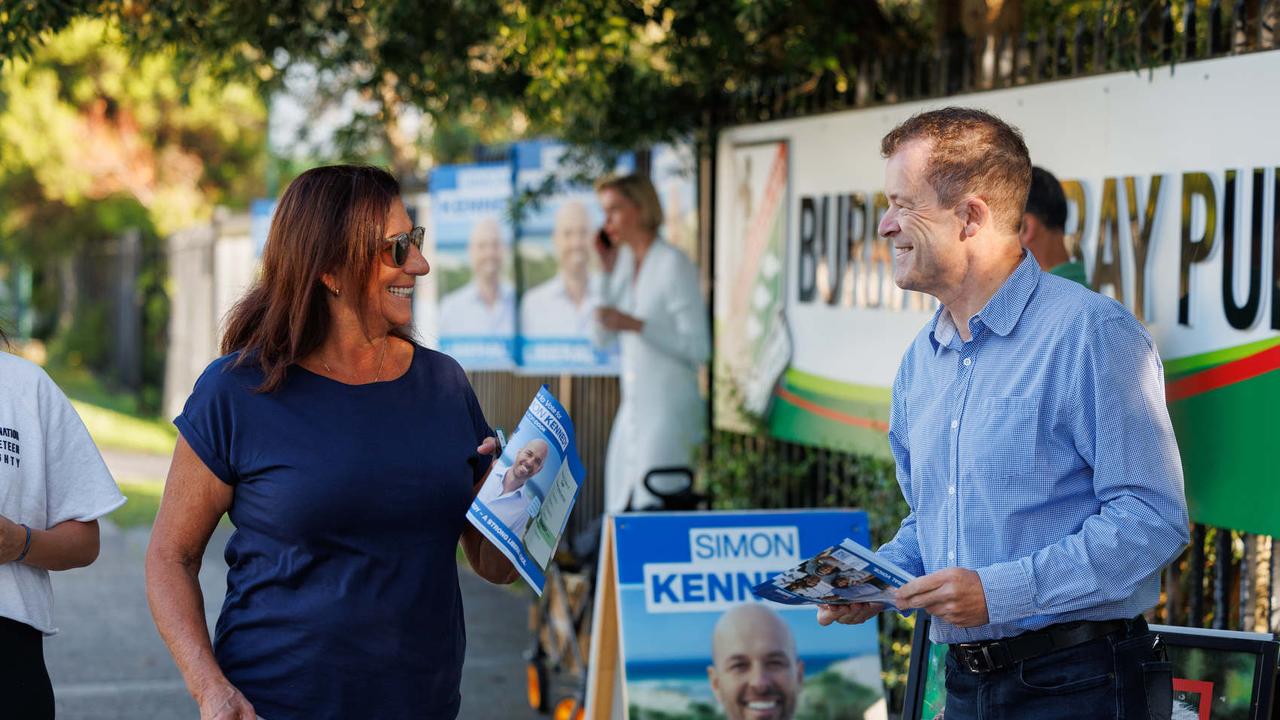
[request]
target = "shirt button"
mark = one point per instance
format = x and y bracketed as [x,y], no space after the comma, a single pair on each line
[951,556]
[968,362]
[951,490]
[955,424]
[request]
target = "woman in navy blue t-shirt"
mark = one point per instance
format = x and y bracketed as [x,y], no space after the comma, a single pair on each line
[347,457]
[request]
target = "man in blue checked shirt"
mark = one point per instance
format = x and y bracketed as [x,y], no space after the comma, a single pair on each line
[1032,444]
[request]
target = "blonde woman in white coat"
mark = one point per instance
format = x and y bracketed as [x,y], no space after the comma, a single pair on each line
[651,303]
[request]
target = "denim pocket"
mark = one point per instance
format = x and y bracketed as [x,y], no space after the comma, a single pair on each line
[1157,682]
[1078,669]
[1145,677]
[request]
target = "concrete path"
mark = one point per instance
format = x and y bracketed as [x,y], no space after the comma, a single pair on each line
[126,465]
[108,662]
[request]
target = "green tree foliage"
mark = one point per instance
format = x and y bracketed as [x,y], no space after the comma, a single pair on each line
[604,74]
[97,138]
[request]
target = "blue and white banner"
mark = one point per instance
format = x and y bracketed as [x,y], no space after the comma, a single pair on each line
[524,504]
[697,644]
[559,268]
[473,264]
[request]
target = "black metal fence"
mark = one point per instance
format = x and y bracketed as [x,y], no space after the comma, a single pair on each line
[1137,36]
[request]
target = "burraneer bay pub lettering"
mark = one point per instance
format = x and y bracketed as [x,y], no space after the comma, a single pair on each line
[842,260]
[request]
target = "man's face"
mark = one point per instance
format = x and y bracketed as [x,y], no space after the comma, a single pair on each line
[928,253]
[572,238]
[486,250]
[826,568]
[529,461]
[756,675]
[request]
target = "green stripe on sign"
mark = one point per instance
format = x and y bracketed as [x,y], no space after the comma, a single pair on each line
[1226,438]
[816,385]
[792,422]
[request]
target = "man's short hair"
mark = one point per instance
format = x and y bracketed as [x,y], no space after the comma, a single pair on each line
[973,152]
[1046,200]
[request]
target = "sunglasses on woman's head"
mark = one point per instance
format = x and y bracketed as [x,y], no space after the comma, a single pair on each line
[396,251]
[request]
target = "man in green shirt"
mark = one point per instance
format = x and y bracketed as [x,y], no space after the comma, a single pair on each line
[1043,224]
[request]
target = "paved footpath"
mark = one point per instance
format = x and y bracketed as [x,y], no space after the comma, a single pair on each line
[108,662]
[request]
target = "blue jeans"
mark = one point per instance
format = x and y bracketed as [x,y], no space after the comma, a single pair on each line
[1120,676]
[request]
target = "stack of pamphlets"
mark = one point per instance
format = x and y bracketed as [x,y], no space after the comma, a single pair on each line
[841,574]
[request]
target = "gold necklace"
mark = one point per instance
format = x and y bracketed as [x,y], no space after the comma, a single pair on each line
[382,356]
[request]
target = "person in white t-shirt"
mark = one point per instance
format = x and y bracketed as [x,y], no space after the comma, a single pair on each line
[486,305]
[53,488]
[505,492]
[564,306]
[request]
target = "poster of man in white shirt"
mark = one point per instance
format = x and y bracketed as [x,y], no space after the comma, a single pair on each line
[508,493]
[559,272]
[486,304]
[564,306]
[475,308]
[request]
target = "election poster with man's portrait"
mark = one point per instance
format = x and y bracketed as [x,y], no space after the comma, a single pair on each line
[697,644]
[559,266]
[476,313]
[524,503]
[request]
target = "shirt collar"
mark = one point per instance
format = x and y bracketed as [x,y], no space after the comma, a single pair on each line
[1002,311]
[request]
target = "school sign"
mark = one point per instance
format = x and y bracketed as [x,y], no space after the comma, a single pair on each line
[1171,179]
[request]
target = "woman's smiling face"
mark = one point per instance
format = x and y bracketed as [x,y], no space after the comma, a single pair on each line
[390,290]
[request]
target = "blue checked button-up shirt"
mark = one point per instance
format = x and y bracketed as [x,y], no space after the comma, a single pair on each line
[1039,454]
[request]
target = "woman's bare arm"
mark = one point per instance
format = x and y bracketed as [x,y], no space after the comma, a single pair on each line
[193,502]
[67,545]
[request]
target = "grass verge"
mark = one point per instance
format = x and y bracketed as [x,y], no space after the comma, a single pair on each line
[113,418]
[144,501]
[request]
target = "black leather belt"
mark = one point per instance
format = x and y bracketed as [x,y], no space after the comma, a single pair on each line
[992,655]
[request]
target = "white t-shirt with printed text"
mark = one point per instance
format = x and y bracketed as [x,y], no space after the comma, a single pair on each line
[50,472]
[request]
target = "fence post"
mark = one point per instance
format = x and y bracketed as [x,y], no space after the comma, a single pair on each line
[1215,44]
[126,357]
[1190,43]
[1245,621]
[1195,564]
[1239,27]
[1222,578]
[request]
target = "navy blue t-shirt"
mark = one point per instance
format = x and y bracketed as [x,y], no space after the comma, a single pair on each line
[342,588]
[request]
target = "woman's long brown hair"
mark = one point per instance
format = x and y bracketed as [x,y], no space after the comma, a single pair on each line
[330,220]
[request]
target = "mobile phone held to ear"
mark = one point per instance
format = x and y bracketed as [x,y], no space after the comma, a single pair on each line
[602,237]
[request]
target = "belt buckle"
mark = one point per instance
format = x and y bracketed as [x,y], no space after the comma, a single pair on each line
[973,653]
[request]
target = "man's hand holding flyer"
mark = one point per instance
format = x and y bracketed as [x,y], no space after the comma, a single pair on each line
[524,503]
[841,574]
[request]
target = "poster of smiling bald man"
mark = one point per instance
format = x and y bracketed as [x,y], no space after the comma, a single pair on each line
[696,644]
[560,282]
[473,264]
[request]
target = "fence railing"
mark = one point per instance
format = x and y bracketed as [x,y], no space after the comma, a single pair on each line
[1137,36]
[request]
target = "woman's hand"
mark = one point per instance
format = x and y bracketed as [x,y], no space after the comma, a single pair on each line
[224,702]
[615,320]
[608,252]
[489,446]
